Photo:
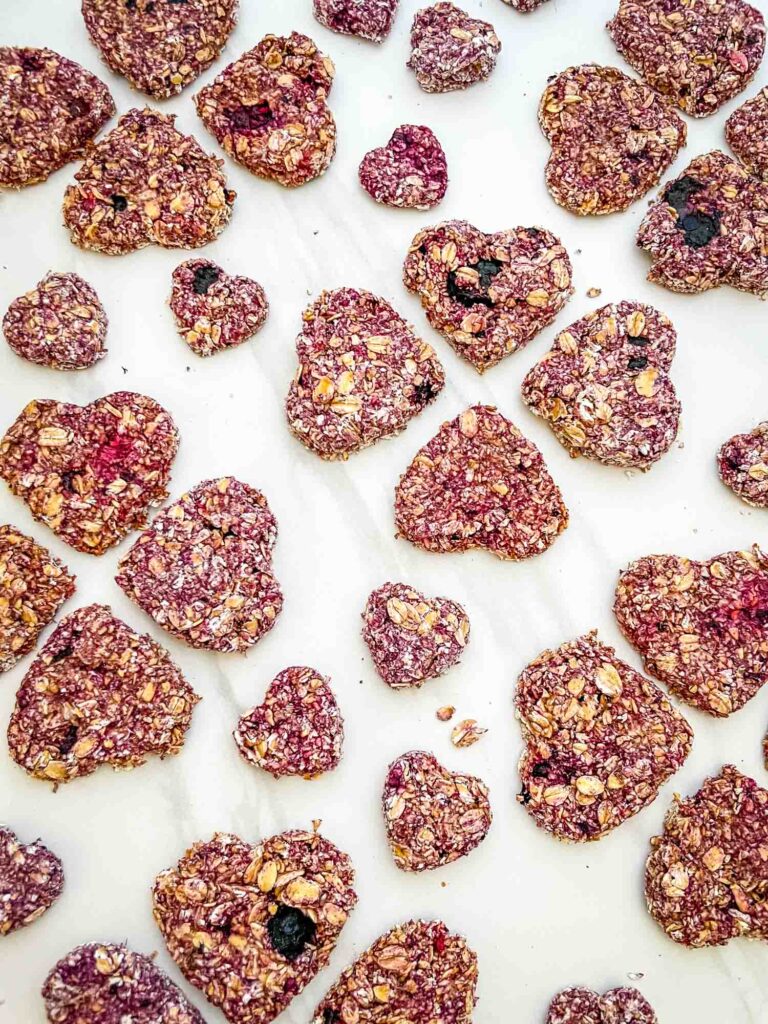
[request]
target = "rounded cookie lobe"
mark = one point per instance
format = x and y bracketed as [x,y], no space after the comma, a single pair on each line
[742,463]
[31,880]
[449,49]
[747,133]
[214,310]
[410,172]
[368,19]
[618,1006]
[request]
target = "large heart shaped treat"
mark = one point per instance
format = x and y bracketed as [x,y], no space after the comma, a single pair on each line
[31,880]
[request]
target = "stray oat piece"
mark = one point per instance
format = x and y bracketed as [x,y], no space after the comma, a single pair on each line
[747,133]
[445,713]
[410,172]
[604,388]
[98,693]
[701,627]
[251,926]
[368,19]
[31,880]
[467,733]
[743,466]
[618,1006]
[418,971]
[479,483]
[298,730]
[450,50]
[203,568]
[50,109]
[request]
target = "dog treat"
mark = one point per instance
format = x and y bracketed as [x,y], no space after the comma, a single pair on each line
[601,740]
[699,54]
[450,50]
[708,229]
[433,816]
[612,139]
[203,568]
[418,971]
[159,47]
[706,873]
[743,466]
[363,374]
[410,171]
[413,638]
[31,880]
[583,1006]
[488,295]
[524,5]
[110,984]
[298,730]
[214,310]
[701,627]
[368,19]
[50,109]
[251,926]
[604,388]
[747,133]
[268,110]
[479,483]
[145,183]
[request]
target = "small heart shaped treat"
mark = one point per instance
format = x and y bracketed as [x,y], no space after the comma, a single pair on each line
[203,568]
[98,693]
[91,472]
[747,133]
[480,484]
[743,465]
[604,389]
[145,183]
[701,627]
[214,310]
[418,972]
[251,926]
[488,295]
[433,816]
[268,110]
[706,874]
[31,880]
[618,1006]
[368,19]
[601,740]
[413,638]
[450,50]
[363,374]
[410,171]
[298,730]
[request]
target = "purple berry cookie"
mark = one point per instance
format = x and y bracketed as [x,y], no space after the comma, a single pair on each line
[31,880]
[214,310]
[450,50]
[747,133]
[743,466]
[368,19]
[618,1006]
[410,172]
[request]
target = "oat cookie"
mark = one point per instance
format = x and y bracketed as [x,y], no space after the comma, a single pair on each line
[699,53]
[747,133]
[413,638]
[110,984]
[146,183]
[708,228]
[612,139]
[701,627]
[618,1006]
[31,880]
[213,309]
[743,466]
[252,925]
[488,295]
[418,971]
[604,388]
[269,111]
[524,5]
[203,568]
[601,740]
[160,46]
[410,172]
[363,374]
[298,730]
[450,50]
[479,483]
[50,109]
[368,19]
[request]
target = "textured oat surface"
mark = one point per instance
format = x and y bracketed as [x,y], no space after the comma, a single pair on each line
[742,463]
[31,880]
[450,49]
[369,19]
[410,172]
[618,1006]
[747,133]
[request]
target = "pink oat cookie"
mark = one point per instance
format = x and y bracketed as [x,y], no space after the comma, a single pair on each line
[363,374]
[612,138]
[479,483]
[145,183]
[368,19]
[488,295]
[601,740]
[31,880]
[413,638]
[251,926]
[618,1006]
[743,466]
[699,54]
[50,109]
[524,5]
[214,310]
[604,388]
[298,730]
[203,568]
[410,172]
[700,627]
[450,50]
[747,133]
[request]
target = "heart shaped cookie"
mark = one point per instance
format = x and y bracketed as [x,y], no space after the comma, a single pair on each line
[251,926]
[601,740]
[618,1006]
[701,627]
[433,816]
[449,49]
[91,472]
[363,374]
[31,880]
[604,389]
[214,310]
[368,19]
[298,730]
[743,465]
[410,171]
[488,295]
[480,484]
[747,133]
[203,568]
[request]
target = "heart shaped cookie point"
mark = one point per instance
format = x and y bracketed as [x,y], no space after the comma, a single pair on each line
[742,463]
[31,880]
[618,1006]
[451,50]
[368,19]
[214,310]
[410,171]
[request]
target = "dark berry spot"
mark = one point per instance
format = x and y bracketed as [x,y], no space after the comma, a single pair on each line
[638,362]
[62,654]
[641,342]
[525,796]
[68,740]
[424,392]
[331,1016]
[290,931]
[471,293]
[661,627]
[680,191]
[699,228]
[248,119]
[119,202]
[77,107]
[205,276]
[130,4]
[31,62]
[68,481]
[732,463]
[540,770]
[150,7]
